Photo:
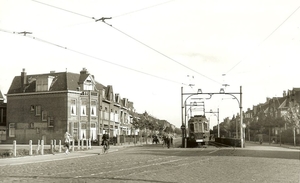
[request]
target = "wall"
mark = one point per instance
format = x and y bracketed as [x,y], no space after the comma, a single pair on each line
[30,126]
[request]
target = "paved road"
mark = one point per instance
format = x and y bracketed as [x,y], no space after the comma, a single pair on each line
[152,163]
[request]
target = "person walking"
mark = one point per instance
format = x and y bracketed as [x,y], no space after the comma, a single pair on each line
[67,142]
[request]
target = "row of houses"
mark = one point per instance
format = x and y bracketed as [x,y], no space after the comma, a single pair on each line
[274,115]
[45,106]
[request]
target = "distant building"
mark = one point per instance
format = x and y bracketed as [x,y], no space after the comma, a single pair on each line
[45,106]
[3,128]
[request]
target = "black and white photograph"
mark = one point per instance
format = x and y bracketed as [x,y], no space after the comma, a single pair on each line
[140,91]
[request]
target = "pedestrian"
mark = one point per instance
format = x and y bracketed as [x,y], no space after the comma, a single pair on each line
[114,140]
[67,142]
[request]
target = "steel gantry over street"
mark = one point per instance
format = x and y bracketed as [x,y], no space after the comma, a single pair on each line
[218,116]
[199,92]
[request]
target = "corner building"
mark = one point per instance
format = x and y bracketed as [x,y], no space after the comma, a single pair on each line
[45,106]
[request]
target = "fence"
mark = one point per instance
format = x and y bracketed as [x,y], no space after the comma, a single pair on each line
[52,148]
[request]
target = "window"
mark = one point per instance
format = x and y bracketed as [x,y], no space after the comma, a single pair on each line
[31,125]
[42,84]
[93,108]
[75,124]
[2,117]
[44,116]
[83,125]
[73,107]
[12,130]
[103,93]
[88,85]
[38,110]
[75,133]
[83,110]
[50,121]
[32,108]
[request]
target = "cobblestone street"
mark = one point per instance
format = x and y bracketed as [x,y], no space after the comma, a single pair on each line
[152,163]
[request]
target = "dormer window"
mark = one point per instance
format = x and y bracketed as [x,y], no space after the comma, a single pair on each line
[88,84]
[43,83]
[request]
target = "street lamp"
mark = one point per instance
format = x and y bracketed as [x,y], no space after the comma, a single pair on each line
[222,91]
[217,112]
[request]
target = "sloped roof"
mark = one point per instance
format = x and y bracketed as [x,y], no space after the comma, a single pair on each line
[62,81]
[99,86]
[283,104]
[82,78]
[296,89]
[108,90]
[1,96]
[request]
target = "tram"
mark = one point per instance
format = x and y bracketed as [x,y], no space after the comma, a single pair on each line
[198,131]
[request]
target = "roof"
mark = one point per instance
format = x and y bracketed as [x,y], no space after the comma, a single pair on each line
[62,81]
[1,96]
[283,104]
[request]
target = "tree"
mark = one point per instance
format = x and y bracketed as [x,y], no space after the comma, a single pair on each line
[292,117]
[178,131]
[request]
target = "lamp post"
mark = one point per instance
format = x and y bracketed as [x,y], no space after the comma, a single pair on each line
[217,112]
[222,92]
[183,117]
[244,130]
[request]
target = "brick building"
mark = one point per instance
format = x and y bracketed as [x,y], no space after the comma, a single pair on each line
[45,106]
[3,107]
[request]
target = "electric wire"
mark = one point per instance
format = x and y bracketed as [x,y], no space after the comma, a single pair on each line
[163,54]
[63,9]
[135,11]
[90,56]
[134,38]
[264,39]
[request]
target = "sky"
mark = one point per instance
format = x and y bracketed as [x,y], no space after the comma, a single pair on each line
[148,50]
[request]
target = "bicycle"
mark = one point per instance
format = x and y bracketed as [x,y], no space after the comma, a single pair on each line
[105,148]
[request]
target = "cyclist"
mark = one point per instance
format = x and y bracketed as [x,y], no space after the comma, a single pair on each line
[105,142]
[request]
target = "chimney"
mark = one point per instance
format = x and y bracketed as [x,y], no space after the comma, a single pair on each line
[23,80]
[84,71]
[284,93]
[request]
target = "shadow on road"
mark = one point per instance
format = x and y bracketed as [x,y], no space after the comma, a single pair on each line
[212,151]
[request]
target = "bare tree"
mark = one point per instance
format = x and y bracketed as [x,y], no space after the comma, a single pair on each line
[292,117]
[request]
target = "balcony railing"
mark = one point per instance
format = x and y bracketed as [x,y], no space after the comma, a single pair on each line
[86,93]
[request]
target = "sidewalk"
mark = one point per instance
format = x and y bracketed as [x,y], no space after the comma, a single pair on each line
[266,145]
[60,156]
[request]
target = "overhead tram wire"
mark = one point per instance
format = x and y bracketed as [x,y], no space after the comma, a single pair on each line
[88,55]
[162,54]
[63,9]
[265,39]
[117,16]
[103,20]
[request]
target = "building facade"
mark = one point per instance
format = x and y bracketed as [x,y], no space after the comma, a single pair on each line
[3,108]
[45,106]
